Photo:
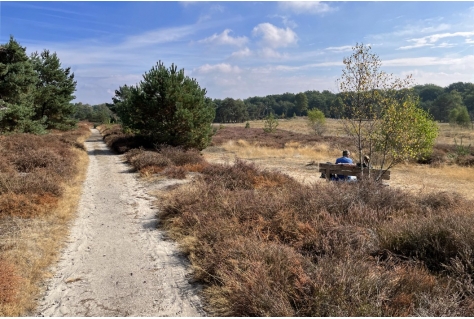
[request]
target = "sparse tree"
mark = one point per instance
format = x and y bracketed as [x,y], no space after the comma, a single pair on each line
[270,124]
[406,132]
[370,98]
[317,121]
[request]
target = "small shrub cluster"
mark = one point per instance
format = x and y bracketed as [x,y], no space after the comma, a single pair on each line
[172,162]
[265,245]
[450,154]
[119,141]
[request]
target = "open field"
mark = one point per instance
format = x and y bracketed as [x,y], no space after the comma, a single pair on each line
[293,157]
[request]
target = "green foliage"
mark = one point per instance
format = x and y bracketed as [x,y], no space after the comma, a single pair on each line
[462,150]
[317,121]
[247,125]
[35,93]
[17,86]
[54,91]
[460,116]
[167,107]
[381,113]
[405,132]
[270,124]
[443,105]
[301,103]
[230,110]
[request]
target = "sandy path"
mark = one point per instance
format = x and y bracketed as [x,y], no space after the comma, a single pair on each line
[117,263]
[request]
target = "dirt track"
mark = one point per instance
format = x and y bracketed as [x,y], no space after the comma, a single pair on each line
[116,262]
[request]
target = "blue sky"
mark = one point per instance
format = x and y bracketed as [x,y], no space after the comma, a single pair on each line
[244,49]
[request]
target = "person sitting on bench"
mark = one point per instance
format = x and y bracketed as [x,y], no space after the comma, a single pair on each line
[345,160]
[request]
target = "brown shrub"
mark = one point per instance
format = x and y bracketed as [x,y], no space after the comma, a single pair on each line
[180,156]
[175,172]
[278,139]
[38,182]
[243,175]
[148,158]
[10,282]
[266,245]
[26,206]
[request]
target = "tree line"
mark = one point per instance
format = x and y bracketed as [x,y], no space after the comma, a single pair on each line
[35,91]
[453,103]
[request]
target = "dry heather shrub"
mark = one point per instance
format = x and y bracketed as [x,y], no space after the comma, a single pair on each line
[243,175]
[122,143]
[198,167]
[10,282]
[6,167]
[436,239]
[26,206]
[146,159]
[133,153]
[257,279]
[175,172]
[38,182]
[180,156]
[335,249]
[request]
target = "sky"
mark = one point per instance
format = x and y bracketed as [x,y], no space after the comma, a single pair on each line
[243,49]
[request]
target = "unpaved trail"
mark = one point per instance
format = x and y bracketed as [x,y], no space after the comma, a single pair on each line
[116,262]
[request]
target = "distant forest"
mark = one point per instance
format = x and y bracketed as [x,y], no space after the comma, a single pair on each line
[441,103]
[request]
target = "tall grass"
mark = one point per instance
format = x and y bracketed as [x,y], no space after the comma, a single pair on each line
[266,245]
[40,181]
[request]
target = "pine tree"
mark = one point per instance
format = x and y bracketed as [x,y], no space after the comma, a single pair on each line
[168,108]
[54,91]
[17,86]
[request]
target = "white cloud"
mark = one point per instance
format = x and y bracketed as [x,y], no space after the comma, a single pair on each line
[159,36]
[457,62]
[242,53]
[431,39]
[269,53]
[469,41]
[225,39]
[275,37]
[439,78]
[306,7]
[220,68]
[343,48]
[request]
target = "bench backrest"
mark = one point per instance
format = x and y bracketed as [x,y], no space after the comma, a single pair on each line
[350,170]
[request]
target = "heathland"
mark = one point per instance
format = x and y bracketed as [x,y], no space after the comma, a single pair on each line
[267,237]
[264,234]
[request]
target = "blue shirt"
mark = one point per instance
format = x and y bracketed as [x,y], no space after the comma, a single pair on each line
[344,160]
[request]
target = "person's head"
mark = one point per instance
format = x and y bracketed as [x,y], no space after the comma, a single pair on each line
[346,153]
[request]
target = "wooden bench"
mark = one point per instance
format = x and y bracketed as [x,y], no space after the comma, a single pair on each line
[351,170]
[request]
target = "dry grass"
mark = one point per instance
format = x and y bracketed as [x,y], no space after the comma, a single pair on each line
[40,198]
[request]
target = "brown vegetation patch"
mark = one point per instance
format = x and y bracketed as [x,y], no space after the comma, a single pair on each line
[336,249]
[39,190]
[278,139]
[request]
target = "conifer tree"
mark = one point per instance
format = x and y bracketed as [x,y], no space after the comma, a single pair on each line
[17,87]
[167,107]
[54,91]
